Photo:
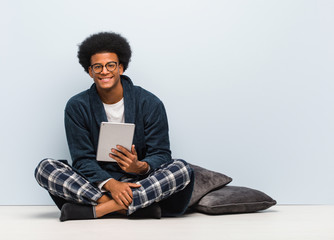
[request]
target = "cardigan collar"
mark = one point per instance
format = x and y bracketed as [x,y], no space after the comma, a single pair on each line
[129,102]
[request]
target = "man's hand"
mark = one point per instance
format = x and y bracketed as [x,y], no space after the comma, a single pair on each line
[121,191]
[128,161]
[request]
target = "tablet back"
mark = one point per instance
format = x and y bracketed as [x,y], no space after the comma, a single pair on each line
[112,134]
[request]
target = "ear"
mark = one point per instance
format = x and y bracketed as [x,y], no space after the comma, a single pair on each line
[90,72]
[121,69]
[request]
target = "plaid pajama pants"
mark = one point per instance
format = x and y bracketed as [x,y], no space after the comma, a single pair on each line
[61,180]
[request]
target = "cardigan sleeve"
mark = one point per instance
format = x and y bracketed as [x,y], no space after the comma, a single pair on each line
[156,136]
[81,145]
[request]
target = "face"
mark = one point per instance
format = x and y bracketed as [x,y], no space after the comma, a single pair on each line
[106,80]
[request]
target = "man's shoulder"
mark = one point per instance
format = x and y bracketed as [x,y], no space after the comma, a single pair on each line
[139,92]
[148,102]
[146,96]
[81,98]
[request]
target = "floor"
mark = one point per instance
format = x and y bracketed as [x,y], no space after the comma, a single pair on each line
[279,222]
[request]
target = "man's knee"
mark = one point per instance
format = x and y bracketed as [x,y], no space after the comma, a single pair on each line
[42,165]
[46,166]
[183,164]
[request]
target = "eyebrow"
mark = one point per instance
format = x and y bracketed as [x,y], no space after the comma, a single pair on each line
[104,64]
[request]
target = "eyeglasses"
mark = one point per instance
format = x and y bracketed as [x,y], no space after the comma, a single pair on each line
[98,67]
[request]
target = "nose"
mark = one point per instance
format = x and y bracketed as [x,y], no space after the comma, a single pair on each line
[104,71]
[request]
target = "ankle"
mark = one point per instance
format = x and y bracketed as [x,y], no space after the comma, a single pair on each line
[104,208]
[103,199]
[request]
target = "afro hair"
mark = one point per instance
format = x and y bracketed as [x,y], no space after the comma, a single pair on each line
[104,42]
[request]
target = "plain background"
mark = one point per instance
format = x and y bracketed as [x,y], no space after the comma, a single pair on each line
[248,86]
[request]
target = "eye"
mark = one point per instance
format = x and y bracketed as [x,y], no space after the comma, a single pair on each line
[97,67]
[111,65]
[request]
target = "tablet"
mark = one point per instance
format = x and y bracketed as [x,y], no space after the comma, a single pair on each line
[112,134]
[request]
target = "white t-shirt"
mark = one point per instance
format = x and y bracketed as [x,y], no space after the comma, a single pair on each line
[115,112]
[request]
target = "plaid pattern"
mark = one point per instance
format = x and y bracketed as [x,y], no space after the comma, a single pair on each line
[160,184]
[60,180]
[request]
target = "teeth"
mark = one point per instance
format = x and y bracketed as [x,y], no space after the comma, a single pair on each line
[105,80]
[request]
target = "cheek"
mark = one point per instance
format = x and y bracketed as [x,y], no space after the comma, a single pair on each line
[94,76]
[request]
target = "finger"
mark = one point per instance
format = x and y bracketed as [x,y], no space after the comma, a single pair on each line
[120,158]
[115,157]
[120,202]
[135,185]
[129,191]
[119,161]
[125,151]
[125,199]
[133,150]
[122,166]
[117,152]
[120,155]
[128,196]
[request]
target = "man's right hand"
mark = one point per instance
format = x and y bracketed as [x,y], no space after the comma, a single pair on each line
[121,191]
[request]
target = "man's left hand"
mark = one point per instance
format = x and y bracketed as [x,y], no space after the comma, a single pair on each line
[128,161]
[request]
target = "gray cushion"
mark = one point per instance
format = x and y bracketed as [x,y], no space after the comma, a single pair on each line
[233,199]
[206,181]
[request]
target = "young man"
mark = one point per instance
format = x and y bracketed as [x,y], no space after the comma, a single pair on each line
[144,181]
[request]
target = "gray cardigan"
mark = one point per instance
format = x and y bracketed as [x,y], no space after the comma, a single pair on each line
[84,113]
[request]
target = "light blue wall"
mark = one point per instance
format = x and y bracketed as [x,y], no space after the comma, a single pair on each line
[248,86]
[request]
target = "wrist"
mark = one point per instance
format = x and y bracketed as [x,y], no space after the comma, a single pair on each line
[143,167]
[100,185]
[108,185]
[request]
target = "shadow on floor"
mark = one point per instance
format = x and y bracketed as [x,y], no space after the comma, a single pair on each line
[48,215]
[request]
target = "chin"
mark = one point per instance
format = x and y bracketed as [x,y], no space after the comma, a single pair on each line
[106,86]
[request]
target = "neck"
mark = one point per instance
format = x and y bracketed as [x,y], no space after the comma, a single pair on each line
[111,96]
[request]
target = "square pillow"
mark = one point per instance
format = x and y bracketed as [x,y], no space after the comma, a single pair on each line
[233,199]
[206,181]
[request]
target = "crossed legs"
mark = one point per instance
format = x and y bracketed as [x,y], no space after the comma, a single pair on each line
[61,181]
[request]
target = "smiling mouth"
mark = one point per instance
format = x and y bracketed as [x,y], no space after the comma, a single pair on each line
[106,79]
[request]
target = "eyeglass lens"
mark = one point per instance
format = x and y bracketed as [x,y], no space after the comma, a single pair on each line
[98,68]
